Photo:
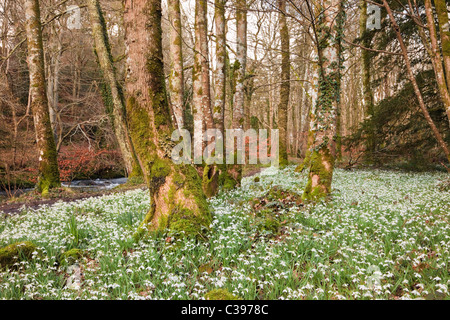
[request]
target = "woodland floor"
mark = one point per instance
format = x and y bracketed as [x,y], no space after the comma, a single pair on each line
[381,235]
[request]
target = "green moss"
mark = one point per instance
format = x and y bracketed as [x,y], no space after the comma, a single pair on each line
[144,227]
[70,256]
[16,252]
[220,294]
[271,225]
[159,170]
[305,163]
[210,182]
[141,135]
[48,167]
[190,223]
[317,167]
[225,180]
[186,223]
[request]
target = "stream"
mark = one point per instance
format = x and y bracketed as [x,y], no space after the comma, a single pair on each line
[82,185]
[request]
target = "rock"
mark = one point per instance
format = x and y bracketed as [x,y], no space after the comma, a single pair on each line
[16,252]
[74,281]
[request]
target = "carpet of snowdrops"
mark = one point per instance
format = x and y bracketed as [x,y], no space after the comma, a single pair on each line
[383,235]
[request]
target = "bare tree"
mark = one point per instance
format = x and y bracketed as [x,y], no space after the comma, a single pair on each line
[113,93]
[48,163]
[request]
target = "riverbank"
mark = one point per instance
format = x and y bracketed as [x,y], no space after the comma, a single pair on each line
[78,191]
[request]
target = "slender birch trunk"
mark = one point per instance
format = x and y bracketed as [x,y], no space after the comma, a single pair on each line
[48,163]
[176,197]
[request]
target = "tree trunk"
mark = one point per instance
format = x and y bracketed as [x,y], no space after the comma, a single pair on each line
[366,75]
[412,78]
[221,53]
[176,78]
[285,87]
[48,163]
[201,100]
[436,56]
[240,64]
[324,112]
[112,93]
[444,31]
[177,200]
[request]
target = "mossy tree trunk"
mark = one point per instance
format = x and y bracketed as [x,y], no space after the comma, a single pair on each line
[112,92]
[239,77]
[313,71]
[176,78]
[437,58]
[177,200]
[203,114]
[48,163]
[324,112]
[240,64]
[444,32]
[285,87]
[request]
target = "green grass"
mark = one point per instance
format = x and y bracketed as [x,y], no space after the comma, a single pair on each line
[383,235]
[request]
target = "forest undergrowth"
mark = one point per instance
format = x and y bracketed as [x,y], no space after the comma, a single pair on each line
[381,235]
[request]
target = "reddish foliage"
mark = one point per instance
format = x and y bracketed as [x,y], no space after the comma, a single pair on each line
[82,162]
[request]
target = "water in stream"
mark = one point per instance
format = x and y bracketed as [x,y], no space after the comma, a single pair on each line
[82,185]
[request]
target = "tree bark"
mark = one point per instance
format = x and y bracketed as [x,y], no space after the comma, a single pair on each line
[285,87]
[444,31]
[240,64]
[48,163]
[113,94]
[176,78]
[201,100]
[220,74]
[323,131]
[436,56]
[177,199]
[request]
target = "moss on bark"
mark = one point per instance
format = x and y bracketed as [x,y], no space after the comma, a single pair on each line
[320,175]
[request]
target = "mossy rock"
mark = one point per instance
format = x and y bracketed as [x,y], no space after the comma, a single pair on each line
[72,255]
[220,294]
[16,252]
